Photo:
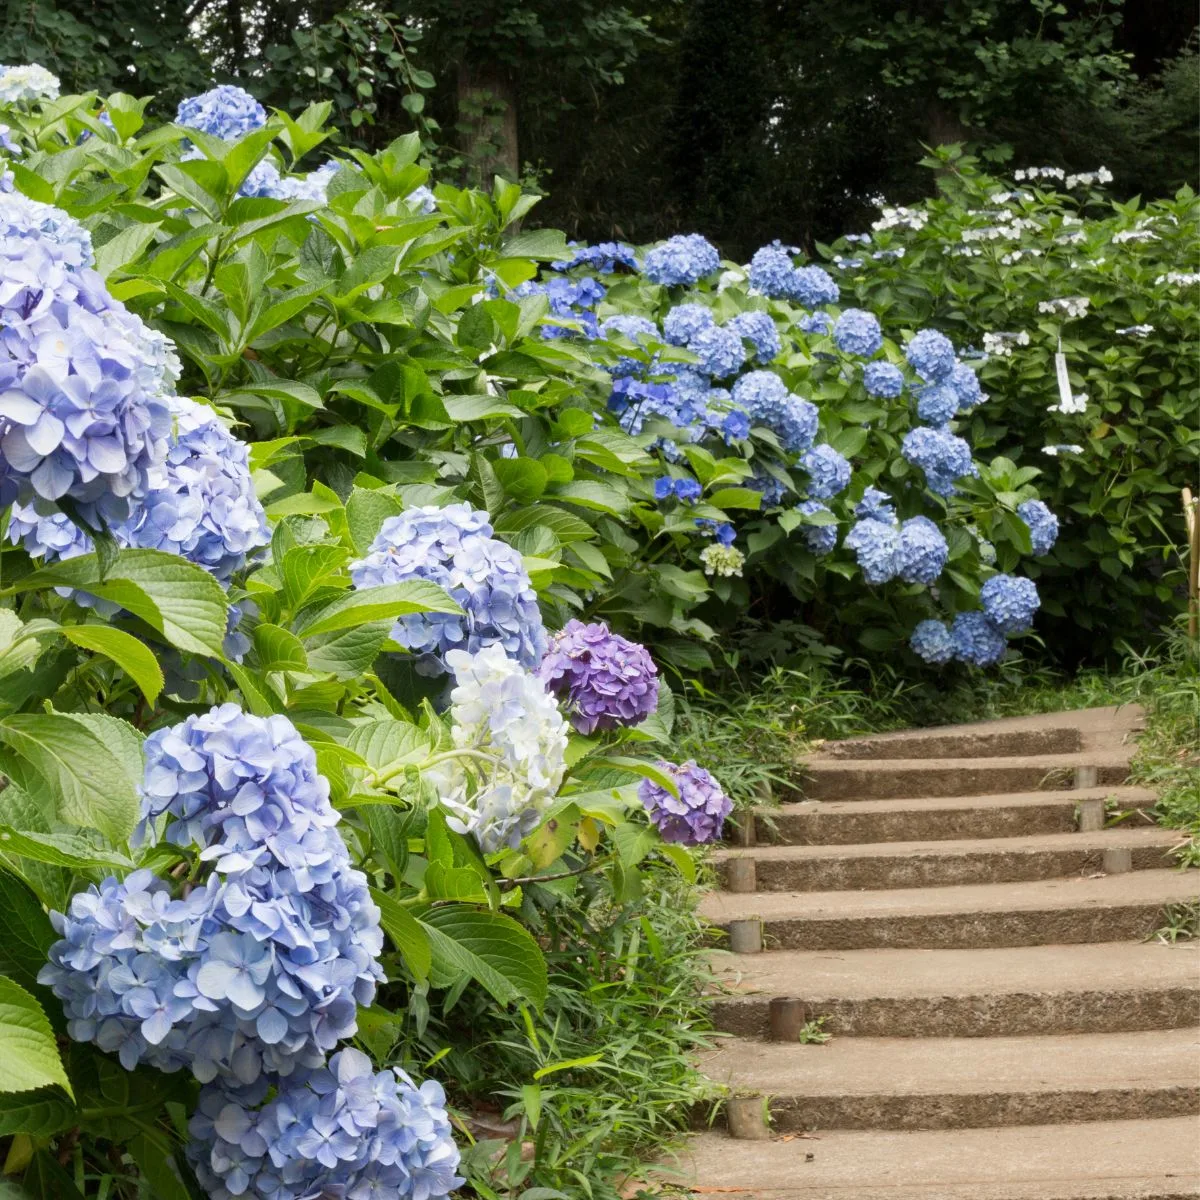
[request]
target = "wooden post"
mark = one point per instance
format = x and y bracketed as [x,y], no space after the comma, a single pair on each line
[741,875]
[1193,541]
[747,1117]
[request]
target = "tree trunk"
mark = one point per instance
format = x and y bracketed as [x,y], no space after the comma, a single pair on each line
[487,115]
[942,127]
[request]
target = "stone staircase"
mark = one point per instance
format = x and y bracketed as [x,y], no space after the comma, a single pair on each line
[951,903]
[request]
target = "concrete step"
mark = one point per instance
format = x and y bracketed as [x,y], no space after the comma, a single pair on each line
[966,1083]
[1043,912]
[1101,1160]
[942,863]
[934,818]
[1010,991]
[827,778]
[1042,733]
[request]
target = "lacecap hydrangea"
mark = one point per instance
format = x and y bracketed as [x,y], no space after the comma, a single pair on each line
[226,112]
[262,966]
[603,680]
[342,1130]
[697,815]
[83,382]
[453,547]
[504,713]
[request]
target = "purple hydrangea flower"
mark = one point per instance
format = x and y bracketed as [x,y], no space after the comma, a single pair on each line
[819,322]
[602,679]
[454,548]
[697,815]
[604,257]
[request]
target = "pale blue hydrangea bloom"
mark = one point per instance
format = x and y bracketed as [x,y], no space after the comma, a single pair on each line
[922,551]
[814,286]
[27,82]
[857,332]
[684,322]
[874,543]
[820,539]
[765,398]
[976,640]
[937,403]
[932,641]
[772,272]
[943,457]
[454,548]
[604,257]
[1043,525]
[883,380]
[819,322]
[1009,602]
[931,355]
[226,111]
[828,472]
[340,1130]
[965,383]
[685,259]
[719,350]
[759,330]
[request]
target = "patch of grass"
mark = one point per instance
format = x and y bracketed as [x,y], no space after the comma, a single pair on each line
[1180,922]
[814,1033]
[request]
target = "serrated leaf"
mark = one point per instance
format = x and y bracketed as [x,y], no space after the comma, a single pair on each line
[493,949]
[135,658]
[27,1046]
[278,650]
[60,849]
[376,604]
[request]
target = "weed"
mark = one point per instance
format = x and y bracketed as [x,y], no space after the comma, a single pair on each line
[814,1033]
[1180,922]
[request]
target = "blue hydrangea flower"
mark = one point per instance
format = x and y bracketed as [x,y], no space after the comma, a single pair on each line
[759,330]
[1043,525]
[922,551]
[883,380]
[876,506]
[636,328]
[931,355]
[814,286]
[340,1130]
[227,112]
[773,490]
[857,332]
[942,456]
[685,489]
[259,968]
[828,471]
[766,399]
[697,815]
[875,544]
[454,548]
[604,257]
[937,403]
[83,382]
[684,322]
[684,259]
[819,323]
[965,383]
[720,351]
[976,640]
[932,641]
[265,181]
[724,533]
[772,272]
[421,198]
[820,539]
[1009,602]
[735,426]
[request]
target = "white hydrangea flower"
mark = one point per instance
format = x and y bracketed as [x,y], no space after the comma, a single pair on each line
[1077,404]
[1070,306]
[29,82]
[1055,451]
[722,560]
[514,741]
[1178,279]
[1139,331]
[1001,344]
[900,217]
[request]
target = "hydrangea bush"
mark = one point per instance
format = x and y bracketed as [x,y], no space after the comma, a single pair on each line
[1018,269]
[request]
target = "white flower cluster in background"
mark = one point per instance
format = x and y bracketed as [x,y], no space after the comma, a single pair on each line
[1069,306]
[1090,178]
[1002,344]
[1055,451]
[900,217]
[1179,279]
[1139,331]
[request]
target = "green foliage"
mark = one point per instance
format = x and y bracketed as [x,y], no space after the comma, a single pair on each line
[974,268]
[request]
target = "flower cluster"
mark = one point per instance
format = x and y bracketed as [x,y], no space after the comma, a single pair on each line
[684,488]
[874,543]
[719,559]
[979,637]
[1043,525]
[931,355]
[759,330]
[27,82]
[767,401]
[857,332]
[883,380]
[342,1130]
[1009,602]
[604,258]
[503,718]
[83,382]
[263,965]
[694,817]
[684,259]
[201,505]
[603,680]
[226,112]
[914,550]
[454,548]
[571,300]
[265,180]
[820,539]
[772,272]
[828,472]
[943,457]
